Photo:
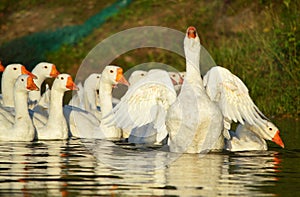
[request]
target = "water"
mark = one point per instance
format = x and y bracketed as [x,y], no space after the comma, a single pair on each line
[97,167]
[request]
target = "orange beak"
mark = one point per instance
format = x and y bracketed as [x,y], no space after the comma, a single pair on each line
[25,71]
[191,32]
[71,85]
[120,77]
[31,85]
[54,72]
[2,68]
[278,140]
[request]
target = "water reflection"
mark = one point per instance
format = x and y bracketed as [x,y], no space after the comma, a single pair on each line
[98,167]
[193,174]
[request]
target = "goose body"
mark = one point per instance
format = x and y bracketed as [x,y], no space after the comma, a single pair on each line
[21,129]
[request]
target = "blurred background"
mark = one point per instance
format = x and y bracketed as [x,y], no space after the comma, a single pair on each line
[258,40]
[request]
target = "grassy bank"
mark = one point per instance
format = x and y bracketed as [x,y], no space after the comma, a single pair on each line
[257,40]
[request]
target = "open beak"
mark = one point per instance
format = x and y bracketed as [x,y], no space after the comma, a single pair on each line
[25,71]
[120,77]
[54,72]
[191,32]
[277,139]
[2,68]
[31,85]
[71,85]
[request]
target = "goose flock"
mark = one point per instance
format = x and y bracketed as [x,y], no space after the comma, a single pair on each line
[182,110]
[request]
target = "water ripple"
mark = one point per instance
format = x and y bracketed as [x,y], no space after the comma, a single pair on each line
[98,167]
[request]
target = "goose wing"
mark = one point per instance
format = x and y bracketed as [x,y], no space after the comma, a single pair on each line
[145,102]
[232,96]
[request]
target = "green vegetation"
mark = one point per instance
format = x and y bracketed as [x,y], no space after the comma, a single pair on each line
[257,40]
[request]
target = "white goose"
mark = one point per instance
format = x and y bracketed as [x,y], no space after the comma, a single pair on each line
[251,137]
[85,125]
[194,122]
[56,126]
[21,129]
[9,76]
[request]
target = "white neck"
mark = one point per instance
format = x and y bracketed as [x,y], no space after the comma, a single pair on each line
[89,98]
[22,117]
[247,129]
[105,97]
[7,87]
[39,80]
[193,75]
[55,110]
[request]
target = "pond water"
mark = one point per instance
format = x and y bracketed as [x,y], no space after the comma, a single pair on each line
[98,167]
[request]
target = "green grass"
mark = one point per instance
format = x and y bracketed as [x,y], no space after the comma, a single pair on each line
[256,40]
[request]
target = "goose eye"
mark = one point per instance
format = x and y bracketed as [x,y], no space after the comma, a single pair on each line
[22,79]
[270,129]
[15,68]
[46,67]
[111,71]
[98,77]
[142,74]
[62,78]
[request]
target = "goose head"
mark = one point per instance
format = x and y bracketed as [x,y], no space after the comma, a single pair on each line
[176,78]
[25,83]
[93,81]
[64,82]
[45,70]
[113,75]
[274,132]
[2,68]
[269,132]
[192,40]
[12,71]
[136,76]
